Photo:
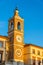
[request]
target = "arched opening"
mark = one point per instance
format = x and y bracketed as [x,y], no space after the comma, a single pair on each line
[33,61]
[39,62]
[12,25]
[18,26]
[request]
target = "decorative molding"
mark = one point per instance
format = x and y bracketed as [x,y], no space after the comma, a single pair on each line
[19,60]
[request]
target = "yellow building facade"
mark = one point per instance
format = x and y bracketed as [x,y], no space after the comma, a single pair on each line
[33,55]
[12,47]
[3,48]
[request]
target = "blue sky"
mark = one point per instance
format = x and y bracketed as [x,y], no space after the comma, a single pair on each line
[31,11]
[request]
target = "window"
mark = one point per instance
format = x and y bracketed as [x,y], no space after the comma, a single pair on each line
[11,39]
[38,52]
[18,26]
[12,25]
[42,61]
[39,62]
[0,57]
[33,61]
[33,51]
[1,44]
[42,53]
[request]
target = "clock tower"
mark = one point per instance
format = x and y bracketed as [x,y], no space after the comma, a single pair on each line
[16,38]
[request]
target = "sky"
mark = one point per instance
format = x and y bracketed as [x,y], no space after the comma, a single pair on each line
[31,11]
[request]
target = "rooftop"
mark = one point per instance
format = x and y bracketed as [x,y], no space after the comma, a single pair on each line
[5,37]
[30,44]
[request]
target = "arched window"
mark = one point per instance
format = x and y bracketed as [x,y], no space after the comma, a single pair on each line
[12,25]
[18,26]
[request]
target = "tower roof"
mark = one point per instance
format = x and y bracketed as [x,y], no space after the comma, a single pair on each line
[16,11]
[16,8]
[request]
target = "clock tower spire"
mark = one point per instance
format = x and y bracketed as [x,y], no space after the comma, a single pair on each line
[16,37]
[16,11]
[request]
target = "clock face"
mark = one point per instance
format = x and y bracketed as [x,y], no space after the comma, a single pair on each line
[19,39]
[18,52]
